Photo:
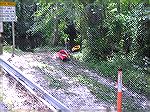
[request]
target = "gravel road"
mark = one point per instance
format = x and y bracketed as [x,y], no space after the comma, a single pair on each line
[57,78]
[16,98]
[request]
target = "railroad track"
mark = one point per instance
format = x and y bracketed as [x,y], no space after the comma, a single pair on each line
[34,88]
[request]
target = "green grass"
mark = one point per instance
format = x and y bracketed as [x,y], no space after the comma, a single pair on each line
[8,49]
[105,93]
[48,48]
[136,79]
[55,83]
[101,91]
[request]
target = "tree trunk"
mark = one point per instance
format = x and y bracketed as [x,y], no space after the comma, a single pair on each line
[118,6]
[56,37]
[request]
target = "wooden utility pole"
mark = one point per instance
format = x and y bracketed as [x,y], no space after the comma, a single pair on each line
[56,36]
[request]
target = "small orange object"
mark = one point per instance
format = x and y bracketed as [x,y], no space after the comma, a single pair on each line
[75,48]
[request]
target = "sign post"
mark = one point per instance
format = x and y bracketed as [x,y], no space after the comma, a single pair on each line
[13,35]
[1,27]
[119,94]
[1,38]
[8,14]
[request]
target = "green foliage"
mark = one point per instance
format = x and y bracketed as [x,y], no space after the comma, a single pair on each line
[51,17]
[134,77]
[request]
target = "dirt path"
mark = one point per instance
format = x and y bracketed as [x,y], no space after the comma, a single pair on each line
[63,81]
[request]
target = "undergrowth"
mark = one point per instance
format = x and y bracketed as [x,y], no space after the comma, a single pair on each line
[135,77]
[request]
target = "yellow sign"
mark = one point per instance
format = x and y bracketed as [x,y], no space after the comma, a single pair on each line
[7,3]
[7,11]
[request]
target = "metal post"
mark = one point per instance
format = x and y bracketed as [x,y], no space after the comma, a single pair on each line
[13,36]
[1,38]
[119,94]
[1,45]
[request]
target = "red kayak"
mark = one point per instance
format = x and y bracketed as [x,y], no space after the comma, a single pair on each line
[62,54]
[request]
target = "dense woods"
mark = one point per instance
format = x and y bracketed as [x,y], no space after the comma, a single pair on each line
[111,33]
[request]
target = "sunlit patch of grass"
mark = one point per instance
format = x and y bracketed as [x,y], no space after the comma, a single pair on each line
[7,49]
[78,56]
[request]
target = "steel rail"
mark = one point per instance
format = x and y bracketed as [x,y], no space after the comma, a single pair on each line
[34,88]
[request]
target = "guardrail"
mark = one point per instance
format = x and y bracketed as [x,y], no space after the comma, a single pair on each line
[34,88]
